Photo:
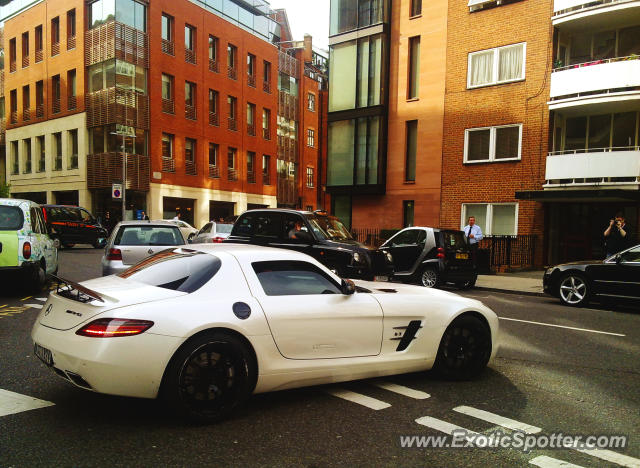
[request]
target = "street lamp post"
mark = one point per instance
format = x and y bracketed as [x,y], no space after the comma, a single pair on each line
[124,174]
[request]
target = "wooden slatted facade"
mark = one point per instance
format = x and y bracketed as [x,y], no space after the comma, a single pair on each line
[117,105]
[116,40]
[105,168]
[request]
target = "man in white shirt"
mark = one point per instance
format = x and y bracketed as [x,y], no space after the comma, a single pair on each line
[473,233]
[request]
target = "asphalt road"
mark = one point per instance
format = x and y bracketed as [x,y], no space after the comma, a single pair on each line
[574,380]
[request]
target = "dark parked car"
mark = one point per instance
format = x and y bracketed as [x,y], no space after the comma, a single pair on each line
[431,257]
[74,225]
[577,283]
[317,234]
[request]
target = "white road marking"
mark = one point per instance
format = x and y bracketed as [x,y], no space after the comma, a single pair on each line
[406,391]
[562,326]
[42,299]
[11,403]
[548,462]
[497,419]
[359,399]
[613,457]
[34,306]
[443,426]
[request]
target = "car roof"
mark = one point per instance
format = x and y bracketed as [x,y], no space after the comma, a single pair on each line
[141,222]
[63,206]
[16,202]
[432,229]
[289,210]
[251,252]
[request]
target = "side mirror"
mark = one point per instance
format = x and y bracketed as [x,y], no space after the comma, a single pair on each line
[304,237]
[348,287]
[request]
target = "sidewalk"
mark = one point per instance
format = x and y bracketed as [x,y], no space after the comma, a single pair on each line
[526,282]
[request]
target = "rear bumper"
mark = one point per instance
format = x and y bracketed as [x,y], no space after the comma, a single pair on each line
[127,366]
[113,267]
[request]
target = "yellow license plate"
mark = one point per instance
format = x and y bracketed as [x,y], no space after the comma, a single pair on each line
[462,256]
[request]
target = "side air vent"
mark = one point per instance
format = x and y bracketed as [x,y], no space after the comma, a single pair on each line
[409,334]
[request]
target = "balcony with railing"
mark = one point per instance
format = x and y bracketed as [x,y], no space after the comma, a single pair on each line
[116,40]
[213,66]
[614,79]
[578,14]
[232,124]
[25,61]
[266,178]
[214,120]
[72,102]
[168,106]
[104,169]
[39,56]
[56,106]
[12,66]
[168,47]
[39,111]
[190,167]
[251,177]
[26,115]
[55,48]
[214,172]
[117,105]
[232,73]
[232,174]
[71,42]
[190,56]
[593,167]
[168,164]
[266,87]
[251,129]
[190,112]
[13,118]
[251,80]
[266,133]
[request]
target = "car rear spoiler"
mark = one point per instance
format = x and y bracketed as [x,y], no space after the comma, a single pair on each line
[82,294]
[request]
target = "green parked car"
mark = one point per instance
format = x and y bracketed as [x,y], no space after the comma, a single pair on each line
[26,249]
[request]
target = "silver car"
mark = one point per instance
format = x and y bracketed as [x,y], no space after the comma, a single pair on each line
[212,233]
[133,241]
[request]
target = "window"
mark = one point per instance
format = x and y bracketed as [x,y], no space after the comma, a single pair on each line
[190,100]
[101,12]
[251,167]
[55,36]
[496,66]
[130,12]
[167,146]
[347,15]
[38,44]
[55,93]
[71,89]
[407,213]
[213,101]
[311,102]
[73,149]
[310,178]
[311,137]
[411,150]
[266,162]
[25,50]
[232,61]
[57,145]
[231,158]
[616,132]
[266,76]
[189,149]
[213,154]
[26,103]
[41,153]
[167,28]
[71,29]
[251,70]
[189,44]
[413,80]
[232,104]
[416,8]
[167,87]
[13,103]
[293,278]
[266,124]
[213,54]
[251,119]
[15,156]
[495,219]
[500,143]
[39,99]
[27,155]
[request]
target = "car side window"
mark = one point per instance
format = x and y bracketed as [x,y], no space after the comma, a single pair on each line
[408,237]
[35,221]
[86,216]
[264,225]
[206,229]
[631,256]
[422,237]
[293,278]
[291,224]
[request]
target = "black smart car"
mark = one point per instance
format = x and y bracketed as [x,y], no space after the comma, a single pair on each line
[612,279]
[317,234]
[74,225]
[431,257]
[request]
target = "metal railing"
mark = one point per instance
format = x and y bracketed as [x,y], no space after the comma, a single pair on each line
[232,174]
[266,87]
[214,119]
[168,106]
[587,5]
[71,42]
[71,102]
[168,164]
[14,117]
[39,56]
[213,66]
[232,73]
[190,112]
[55,48]
[610,149]
[232,124]
[12,66]
[39,111]
[26,114]
[266,178]
[167,47]
[251,80]
[190,56]
[251,177]
[214,171]
[190,167]
[596,62]
[251,129]
[25,61]
[55,106]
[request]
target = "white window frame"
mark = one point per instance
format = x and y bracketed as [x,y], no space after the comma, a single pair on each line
[488,229]
[492,144]
[496,57]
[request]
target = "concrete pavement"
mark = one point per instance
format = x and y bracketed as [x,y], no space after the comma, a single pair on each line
[526,282]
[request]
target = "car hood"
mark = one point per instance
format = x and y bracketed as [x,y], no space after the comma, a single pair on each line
[351,244]
[581,262]
[381,287]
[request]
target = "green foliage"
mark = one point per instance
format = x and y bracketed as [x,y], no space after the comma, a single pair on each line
[5,190]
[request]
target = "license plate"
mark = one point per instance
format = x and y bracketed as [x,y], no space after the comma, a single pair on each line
[43,354]
[462,256]
[380,278]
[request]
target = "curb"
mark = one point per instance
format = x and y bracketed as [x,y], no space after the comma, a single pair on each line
[511,291]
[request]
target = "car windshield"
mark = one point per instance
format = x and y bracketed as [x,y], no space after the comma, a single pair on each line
[224,228]
[177,269]
[454,240]
[328,228]
[149,235]
[11,218]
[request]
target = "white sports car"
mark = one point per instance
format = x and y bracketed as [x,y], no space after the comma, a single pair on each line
[206,327]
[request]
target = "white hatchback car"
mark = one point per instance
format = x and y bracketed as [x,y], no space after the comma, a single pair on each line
[206,327]
[187,230]
[212,232]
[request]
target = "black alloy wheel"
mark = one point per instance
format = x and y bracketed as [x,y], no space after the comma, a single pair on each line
[464,350]
[209,377]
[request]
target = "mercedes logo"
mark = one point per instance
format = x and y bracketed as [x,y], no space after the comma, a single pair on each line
[150,251]
[48,309]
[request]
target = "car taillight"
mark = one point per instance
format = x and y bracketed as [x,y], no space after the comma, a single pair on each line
[217,240]
[440,252]
[113,327]
[114,254]
[26,250]
[44,213]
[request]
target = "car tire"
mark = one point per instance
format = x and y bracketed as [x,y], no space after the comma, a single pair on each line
[467,284]
[430,277]
[464,350]
[209,377]
[574,290]
[39,277]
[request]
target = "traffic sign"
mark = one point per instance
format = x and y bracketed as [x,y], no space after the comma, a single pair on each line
[116,191]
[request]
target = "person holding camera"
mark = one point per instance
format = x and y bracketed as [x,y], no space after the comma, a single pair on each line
[617,235]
